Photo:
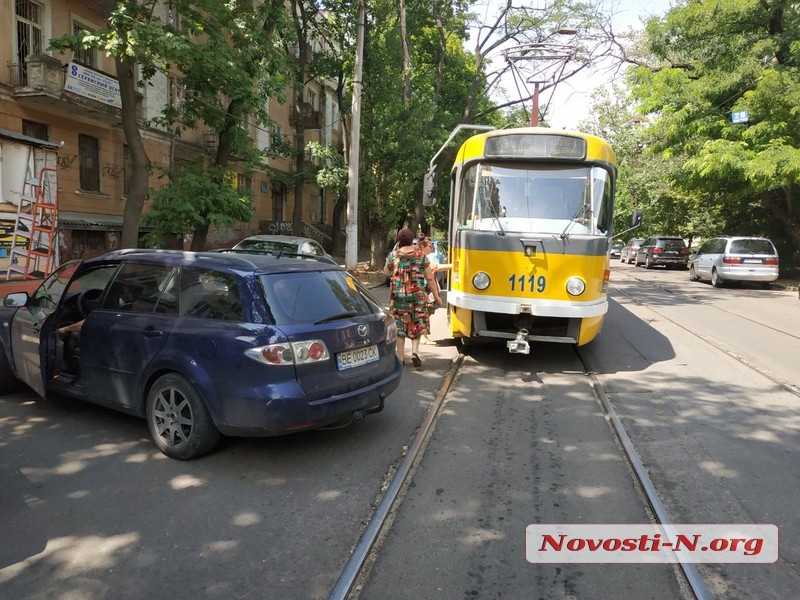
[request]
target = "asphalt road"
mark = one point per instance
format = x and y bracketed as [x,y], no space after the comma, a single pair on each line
[701,377]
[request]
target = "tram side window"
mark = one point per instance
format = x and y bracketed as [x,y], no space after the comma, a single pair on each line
[602,200]
[466,199]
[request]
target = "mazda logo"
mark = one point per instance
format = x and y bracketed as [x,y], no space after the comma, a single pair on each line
[362,330]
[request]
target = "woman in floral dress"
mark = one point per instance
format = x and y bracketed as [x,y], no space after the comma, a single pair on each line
[409,268]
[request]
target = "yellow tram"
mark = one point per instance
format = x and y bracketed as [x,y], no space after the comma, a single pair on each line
[530,231]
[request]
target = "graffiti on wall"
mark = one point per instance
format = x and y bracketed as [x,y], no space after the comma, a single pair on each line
[65,161]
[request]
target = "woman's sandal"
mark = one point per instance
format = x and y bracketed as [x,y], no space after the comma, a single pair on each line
[415,359]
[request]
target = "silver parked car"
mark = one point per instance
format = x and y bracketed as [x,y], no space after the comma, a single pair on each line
[628,252]
[735,258]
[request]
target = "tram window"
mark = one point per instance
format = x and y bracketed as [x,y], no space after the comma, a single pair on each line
[602,199]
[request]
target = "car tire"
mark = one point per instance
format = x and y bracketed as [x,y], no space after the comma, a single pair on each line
[178,419]
[716,280]
[693,274]
[8,382]
[647,263]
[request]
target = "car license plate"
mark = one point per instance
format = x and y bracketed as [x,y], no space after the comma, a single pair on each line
[357,357]
[750,261]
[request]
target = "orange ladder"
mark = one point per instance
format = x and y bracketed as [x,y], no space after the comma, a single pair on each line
[37,220]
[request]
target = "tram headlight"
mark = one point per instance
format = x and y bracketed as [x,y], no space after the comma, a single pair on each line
[481,280]
[575,286]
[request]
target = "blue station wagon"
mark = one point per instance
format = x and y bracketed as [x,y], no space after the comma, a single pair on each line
[203,344]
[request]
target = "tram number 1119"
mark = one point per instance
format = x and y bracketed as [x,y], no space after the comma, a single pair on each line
[534,284]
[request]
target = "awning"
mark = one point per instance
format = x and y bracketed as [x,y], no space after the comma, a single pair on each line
[26,139]
[92,221]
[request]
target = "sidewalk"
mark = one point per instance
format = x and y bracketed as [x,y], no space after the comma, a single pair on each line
[441,349]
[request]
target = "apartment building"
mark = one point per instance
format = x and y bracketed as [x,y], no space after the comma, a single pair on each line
[67,106]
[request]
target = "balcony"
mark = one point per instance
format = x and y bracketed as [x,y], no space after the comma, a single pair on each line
[306,116]
[44,83]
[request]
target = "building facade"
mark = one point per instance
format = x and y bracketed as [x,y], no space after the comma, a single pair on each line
[70,102]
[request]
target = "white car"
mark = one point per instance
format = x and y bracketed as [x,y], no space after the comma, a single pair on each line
[735,258]
[283,244]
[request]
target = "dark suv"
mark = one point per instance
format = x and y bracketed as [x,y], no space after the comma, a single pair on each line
[201,344]
[663,250]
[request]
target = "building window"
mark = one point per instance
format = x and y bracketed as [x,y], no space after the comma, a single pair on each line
[35,130]
[84,56]
[176,91]
[276,136]
[319,207]
[89,158]
[278,198]
[29,30]
[313,100]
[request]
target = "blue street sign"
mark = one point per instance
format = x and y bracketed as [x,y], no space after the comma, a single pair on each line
[741,116]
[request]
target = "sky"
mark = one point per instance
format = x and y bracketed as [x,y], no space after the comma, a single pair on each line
[571,99]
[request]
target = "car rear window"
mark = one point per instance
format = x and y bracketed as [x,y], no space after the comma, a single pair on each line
[752,247]
[673,244]
[313,296]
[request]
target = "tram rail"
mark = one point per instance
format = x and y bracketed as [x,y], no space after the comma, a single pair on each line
[356,568]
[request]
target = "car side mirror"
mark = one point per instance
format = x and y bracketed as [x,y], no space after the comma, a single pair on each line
[429,188]
[636,219]
[15,300]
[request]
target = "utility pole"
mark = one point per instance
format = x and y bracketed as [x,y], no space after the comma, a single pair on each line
[351,247]
[541,61]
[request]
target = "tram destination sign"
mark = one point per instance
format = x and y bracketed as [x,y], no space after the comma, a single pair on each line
[532,145]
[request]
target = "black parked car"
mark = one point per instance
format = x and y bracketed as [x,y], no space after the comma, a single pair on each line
[668,251]
[202,343]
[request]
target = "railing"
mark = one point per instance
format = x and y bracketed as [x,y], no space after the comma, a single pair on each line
[18,73]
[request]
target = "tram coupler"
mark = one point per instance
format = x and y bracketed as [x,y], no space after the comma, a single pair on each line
[519,345]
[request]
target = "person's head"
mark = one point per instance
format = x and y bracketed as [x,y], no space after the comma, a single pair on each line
[495,194]
[405,237]
[425,244]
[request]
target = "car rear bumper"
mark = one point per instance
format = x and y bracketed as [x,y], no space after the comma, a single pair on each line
[669,260]
[744,273]
[244,416]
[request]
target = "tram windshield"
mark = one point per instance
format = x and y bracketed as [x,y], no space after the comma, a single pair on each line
[535,198]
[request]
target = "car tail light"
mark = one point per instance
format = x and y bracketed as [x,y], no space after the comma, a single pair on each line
[657,250]
[731,260]
[773,262]
[684,251]
[298,353]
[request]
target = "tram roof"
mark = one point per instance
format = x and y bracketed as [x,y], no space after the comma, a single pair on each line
[596,148]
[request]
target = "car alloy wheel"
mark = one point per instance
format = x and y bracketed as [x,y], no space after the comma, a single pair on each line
[179,421]
[647,263]
[693,274]
[716,280]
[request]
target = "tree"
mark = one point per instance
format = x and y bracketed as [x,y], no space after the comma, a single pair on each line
[225,56]
[712,60]
[132,37]
[229,67]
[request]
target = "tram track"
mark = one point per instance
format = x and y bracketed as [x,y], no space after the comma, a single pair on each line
[713,342]
[357,567]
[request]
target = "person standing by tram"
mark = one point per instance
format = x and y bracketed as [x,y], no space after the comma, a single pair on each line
[409,269]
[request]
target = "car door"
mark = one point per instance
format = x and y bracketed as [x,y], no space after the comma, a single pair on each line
[126,332]
[28,327]
[702,260]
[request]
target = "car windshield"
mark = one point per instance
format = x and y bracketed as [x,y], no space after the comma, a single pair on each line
[267,246]
[314,297]
[751,247]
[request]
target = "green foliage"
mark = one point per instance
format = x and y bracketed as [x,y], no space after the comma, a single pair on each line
[195,196]
[332,172]
[706,61]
